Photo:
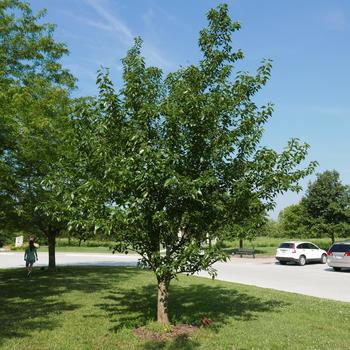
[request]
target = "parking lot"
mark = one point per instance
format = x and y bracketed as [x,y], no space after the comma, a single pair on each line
[312,279]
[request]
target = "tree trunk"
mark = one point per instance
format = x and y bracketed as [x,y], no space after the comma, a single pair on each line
[240,243]
[52,247]
[162,305]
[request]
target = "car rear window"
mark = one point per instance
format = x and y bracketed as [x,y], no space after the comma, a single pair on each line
[286,245]
[340,248]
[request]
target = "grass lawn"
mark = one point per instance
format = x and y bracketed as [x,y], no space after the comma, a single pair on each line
[98,308]
[75,249]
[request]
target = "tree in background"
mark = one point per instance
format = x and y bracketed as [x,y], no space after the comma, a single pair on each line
[292,222]
[34,103]
[165,164]
[271,229]
[247,220]
[327,205]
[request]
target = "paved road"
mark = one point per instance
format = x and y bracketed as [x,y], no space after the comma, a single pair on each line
[15,259]
[315,280]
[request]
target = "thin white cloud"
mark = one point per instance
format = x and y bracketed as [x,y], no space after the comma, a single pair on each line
[332,111]
[178,22]
[336,20]
[67,34]
[79,71]
[87,21]
[155,58]
[148,17]
[96,24]
[113,24]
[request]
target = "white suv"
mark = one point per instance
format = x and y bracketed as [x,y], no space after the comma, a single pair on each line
[300,252]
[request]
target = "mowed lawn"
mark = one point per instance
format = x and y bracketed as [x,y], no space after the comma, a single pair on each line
[98,308]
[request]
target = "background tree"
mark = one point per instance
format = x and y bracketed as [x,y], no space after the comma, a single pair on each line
[327,205]
[292,221]
[34,102]
[272,229]
[247,220]
[163,164]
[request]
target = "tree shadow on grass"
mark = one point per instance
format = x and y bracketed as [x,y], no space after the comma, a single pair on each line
[218,304]
[187,304]
[32,304]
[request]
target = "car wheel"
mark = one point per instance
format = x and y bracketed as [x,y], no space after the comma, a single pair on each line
[336,268]
[302,260]
[283,262]
[323,258]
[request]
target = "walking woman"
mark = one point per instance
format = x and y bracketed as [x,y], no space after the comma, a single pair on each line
[30,256]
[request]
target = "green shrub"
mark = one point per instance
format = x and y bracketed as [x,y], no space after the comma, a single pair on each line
[74,242]
[21,248]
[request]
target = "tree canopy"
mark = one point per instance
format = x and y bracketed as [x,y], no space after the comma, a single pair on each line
[323,211]
[327,205]
[166,162]
[292,222]
[34,102]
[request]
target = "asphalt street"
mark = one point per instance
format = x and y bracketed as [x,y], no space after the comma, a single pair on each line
[316,280]
[313,279]
[16,259]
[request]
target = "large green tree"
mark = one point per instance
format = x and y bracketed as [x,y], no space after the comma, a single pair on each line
[327,205]
[166,163]
[293,221]
[34,104]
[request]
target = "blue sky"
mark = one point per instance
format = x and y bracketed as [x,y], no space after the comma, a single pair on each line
[308,42]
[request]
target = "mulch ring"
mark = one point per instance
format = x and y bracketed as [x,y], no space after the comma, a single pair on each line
[180,330]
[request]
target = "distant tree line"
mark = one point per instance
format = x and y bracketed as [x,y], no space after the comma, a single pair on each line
[324,211]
